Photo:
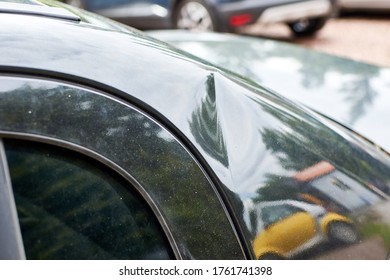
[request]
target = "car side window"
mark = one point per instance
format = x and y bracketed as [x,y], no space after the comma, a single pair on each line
[71,207]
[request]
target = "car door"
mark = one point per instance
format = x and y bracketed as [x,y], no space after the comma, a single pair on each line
[88,175]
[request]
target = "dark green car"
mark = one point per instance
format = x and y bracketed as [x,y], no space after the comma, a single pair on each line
[114,145]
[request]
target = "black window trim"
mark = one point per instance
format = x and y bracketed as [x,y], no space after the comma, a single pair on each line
[97,157]
[11,240]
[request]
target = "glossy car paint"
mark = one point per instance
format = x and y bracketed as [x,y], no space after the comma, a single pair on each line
[352,93]
[108,129]
[285,236]
[253,144]
[292,232]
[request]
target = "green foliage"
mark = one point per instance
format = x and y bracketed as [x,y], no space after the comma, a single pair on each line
[375,229]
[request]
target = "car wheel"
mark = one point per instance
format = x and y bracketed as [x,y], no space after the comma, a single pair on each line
[194,15]
[342,232]
[307,27]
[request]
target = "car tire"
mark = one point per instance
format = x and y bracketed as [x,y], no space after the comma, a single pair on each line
[307,27]
[342,232]
[194,15]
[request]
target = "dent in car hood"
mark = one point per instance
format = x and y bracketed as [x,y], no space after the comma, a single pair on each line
[352,93]
[254,141]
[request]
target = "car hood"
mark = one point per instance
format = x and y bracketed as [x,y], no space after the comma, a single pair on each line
[352,93]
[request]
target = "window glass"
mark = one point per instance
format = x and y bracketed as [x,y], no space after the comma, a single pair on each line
[70,207]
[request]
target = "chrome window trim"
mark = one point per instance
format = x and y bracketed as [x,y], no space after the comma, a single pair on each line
[11,241]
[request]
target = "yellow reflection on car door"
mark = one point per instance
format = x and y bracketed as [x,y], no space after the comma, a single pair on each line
[286,235]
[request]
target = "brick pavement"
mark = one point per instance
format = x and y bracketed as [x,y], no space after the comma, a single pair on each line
[363,38]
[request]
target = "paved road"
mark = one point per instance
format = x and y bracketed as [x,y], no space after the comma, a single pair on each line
[370,249]
[362,38]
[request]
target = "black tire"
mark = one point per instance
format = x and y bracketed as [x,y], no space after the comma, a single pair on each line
[342,232]
[307,27]
[194,15]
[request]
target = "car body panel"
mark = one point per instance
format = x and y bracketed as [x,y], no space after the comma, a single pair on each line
[352,93]
[146,14]
[252,144]
[101,125]
[364,5]
[278,11]
[288,228]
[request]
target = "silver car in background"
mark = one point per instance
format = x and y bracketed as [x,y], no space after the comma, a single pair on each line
[304,17]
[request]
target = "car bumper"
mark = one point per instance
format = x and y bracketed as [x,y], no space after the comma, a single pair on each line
[296,11]
[251,11]
[144,16]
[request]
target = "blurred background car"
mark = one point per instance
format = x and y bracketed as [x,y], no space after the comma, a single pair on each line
[364,5]
[304,17]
